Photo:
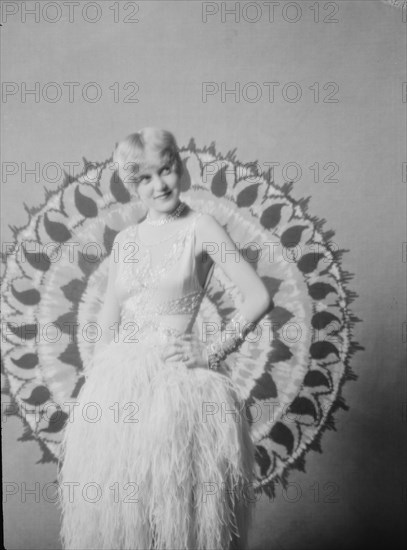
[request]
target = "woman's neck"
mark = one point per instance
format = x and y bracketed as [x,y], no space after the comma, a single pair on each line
[155,217]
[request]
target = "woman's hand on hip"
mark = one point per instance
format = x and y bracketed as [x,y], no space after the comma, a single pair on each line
[187,351]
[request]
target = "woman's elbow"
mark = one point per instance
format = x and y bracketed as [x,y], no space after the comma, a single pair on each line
[261,302]
[267,302]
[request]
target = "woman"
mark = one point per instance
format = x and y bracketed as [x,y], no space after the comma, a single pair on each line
[157,454]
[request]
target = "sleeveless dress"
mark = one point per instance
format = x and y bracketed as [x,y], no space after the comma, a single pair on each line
[155,455]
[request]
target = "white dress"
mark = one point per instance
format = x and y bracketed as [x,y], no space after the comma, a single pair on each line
[156,455]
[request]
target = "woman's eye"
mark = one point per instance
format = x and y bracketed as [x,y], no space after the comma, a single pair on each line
[166,170]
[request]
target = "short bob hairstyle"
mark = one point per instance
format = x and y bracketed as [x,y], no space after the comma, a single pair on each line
[146,148]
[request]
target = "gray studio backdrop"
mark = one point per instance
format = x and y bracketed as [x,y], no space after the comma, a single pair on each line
[162,54]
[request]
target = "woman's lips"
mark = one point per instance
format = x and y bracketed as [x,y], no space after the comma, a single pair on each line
[163,195]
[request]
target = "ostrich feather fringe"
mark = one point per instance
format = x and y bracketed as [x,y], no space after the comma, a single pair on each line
[155,456]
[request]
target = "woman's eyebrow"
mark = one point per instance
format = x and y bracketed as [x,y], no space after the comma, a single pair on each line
[146,171]
[161,167]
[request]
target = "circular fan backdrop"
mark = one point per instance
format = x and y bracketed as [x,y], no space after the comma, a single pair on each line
[291,371]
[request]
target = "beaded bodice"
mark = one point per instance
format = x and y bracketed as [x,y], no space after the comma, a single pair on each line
[158,287]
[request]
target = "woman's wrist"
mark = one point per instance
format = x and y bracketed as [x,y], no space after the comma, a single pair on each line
[219,350]
[242,325]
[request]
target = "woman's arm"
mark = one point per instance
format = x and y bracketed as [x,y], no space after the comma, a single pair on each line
[110,312]
[256,300]
[214,240]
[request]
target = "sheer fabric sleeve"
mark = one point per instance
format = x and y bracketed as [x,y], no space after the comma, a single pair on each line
[110,311]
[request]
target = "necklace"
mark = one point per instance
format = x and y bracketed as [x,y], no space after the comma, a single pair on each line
[173,216]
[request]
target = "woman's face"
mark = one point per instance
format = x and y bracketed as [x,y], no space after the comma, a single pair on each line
[158,186]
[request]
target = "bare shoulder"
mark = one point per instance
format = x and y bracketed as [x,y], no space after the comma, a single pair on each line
[210,230]
[208,224]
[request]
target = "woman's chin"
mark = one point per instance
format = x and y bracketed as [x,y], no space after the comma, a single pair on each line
[166,203]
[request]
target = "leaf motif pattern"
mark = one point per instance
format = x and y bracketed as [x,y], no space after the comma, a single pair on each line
[293,364]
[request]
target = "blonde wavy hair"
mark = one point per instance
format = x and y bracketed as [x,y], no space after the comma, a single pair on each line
[146,148]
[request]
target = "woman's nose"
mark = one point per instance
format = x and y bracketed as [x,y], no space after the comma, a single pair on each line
[159,184]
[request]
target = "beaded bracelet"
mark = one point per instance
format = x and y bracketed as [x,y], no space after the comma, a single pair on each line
[217,351]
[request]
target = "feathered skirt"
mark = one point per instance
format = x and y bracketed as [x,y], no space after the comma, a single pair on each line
[155,456]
